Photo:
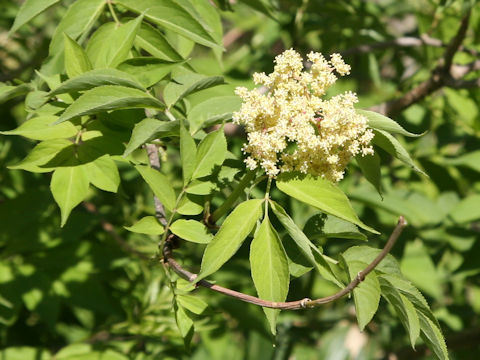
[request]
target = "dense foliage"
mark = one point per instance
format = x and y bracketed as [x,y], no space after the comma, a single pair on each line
[127,152]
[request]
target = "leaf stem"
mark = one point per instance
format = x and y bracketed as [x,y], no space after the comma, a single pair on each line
[267,195]
[112,11]
[222,210]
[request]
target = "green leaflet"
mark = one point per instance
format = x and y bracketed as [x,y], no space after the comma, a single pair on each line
[192,303]
[148,225]
[211,152]
[147,70]
[41,128]
[69,187]
[109,97]
[76,60]
[149,129]
[155,43]
[466,210]
[391,145]
[188,154]
[79,18]
[159,184]
[95,78]
[103,174]
[366,295]
[191,230]
[171,15]
[234,230]
[380,122]
[269,267]
[321,194]
[304,244]
[30,9]
[370,166]
[8,92]
[213,111]
[187,84]
[112,42]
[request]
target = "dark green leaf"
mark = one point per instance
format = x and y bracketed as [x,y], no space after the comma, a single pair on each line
[8,92]
[188,154]
[213,111]
[95,78]
[109,97]
[230,237]
[370,166]
[269,268]
[155,43]
[149,129]
[147,70]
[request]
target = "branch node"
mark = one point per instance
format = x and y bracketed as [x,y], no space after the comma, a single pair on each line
[304,302]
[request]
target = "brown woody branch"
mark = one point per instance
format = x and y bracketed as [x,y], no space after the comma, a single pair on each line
[290,305]
[444,74]
[154,161]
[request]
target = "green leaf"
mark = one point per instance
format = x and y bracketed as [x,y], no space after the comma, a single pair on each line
[76,60]
[367,254]
[321,194]
[159,184]
[79,18]
[192,303]
[467,210]
[95,78]
[191,230]
[433,337]
[366,295]
[41,128]
[391,145]
[269,267]
[471,160]
[148,225]
[380,122]
[109,97]
[28,10]
[304,244]
[230,237]
[172,16]
[8,92]
[188,154]
[370,166]
[198,187]
[147,70]
[187,84]
[154,42]
[149,129]
[419,268]
[69,187]
[112,42]
[404,309]
[103,174]
[211,151]
[184,323]
[335,227]
[190,205]
[41,154]
[213,111]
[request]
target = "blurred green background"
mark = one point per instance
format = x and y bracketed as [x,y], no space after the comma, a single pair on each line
[88,291]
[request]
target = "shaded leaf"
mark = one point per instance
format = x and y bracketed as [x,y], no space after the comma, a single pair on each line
[187,84]
[154,42]
[159,184]
[467,210]
[147,70]
[370,166]
[213,111]
[8,92]
[109,97]
[149,129]
[192,303]
[188,154]
[103,174]
[211,151]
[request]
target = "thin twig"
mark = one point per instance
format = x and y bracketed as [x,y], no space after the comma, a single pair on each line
[290,305]
[154,161]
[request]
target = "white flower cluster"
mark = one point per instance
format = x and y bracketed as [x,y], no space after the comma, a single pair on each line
[291,128]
